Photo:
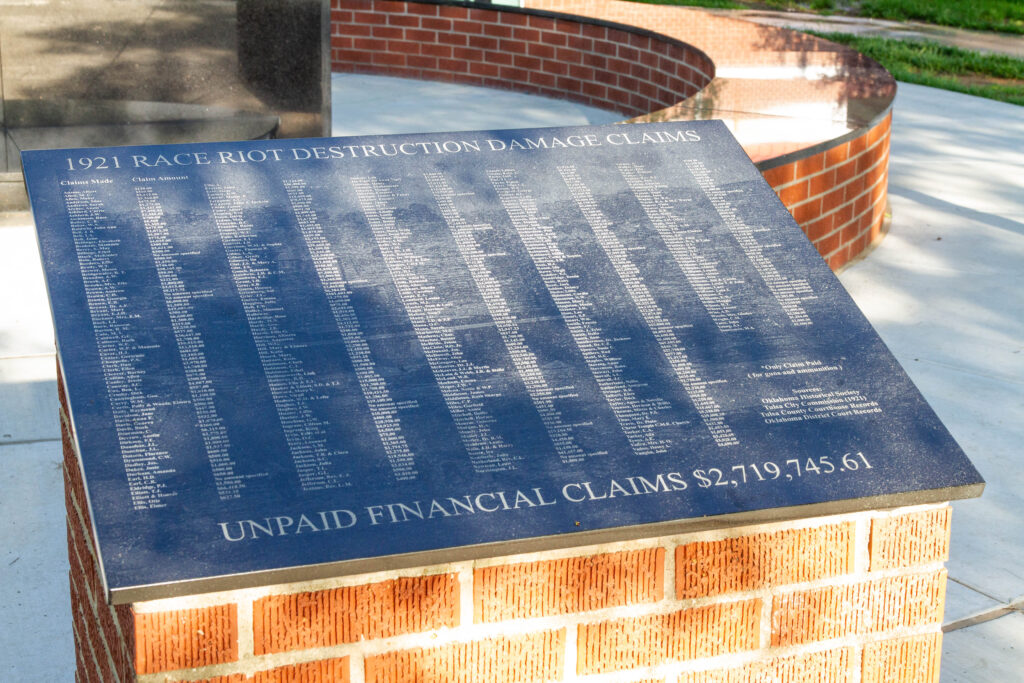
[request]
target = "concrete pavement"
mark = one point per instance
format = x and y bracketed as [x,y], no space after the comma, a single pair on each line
[945,290]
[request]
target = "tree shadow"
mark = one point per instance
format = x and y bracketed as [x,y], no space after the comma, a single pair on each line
[94,63]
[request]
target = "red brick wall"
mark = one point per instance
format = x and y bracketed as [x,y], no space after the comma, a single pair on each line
[841,221]
[851,597]
[630,71]
[838,195]
[835,190]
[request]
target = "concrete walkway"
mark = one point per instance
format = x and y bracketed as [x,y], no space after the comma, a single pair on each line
[945,290]
[979,41]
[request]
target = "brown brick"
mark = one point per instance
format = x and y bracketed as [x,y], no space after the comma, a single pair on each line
[483,69]
[837,155]
[436,50]
[75,502]
[369,18]
[467,54]
[862,204]
[833,199]
[82,565]
[542,23]
[828,666]
[483,42]
[403,20]
[392,32]
[355,30]
[857,609]
[575,584]
[416,8]
[522,658]
[528,35]
[186,638]
[866,161]
[844,216]
[541,79]
[910,539]
[904,660]
[452,39]
[88,637]
[514,74]
[526,62]
[371,45]
[513,18]
[407,46]
[650,640]
[344,615]
[436,24]
[828,244]
[806,212]
[111,628]
[822,183]
[764,560]
[810,165]
[849,234]
[84,667]
[860,244]
[389,6]
[594,90]
[467,27]
[878,132]
[858,145]
[780,174]
[797,192]
[816,230]
[319,671]
[389,59]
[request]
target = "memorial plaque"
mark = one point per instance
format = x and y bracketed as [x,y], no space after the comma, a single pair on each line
[291,359]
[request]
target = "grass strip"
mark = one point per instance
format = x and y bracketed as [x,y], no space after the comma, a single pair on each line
[941,66]
[805,6]
[713,4]
[980,15]
[1006,16]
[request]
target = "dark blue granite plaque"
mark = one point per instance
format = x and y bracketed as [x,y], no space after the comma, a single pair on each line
[291,359]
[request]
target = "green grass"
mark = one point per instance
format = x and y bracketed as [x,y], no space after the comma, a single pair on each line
[806,5]
[920,62]
[714,4]
[940,66]
[981,15]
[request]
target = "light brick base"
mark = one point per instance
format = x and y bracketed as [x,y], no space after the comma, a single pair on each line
[848,598]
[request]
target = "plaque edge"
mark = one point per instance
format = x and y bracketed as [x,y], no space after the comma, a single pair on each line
[553,542]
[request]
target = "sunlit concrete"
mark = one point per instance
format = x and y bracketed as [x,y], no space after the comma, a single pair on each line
[374,105]
[36,645]
[945,290]
[952,310]
[25,327]
[986,653]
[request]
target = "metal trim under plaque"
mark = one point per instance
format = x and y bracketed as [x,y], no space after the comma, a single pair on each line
[291,359]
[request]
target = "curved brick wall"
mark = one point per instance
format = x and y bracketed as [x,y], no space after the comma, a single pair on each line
[643,61]
[835,187]
[630,71]
[838,195]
